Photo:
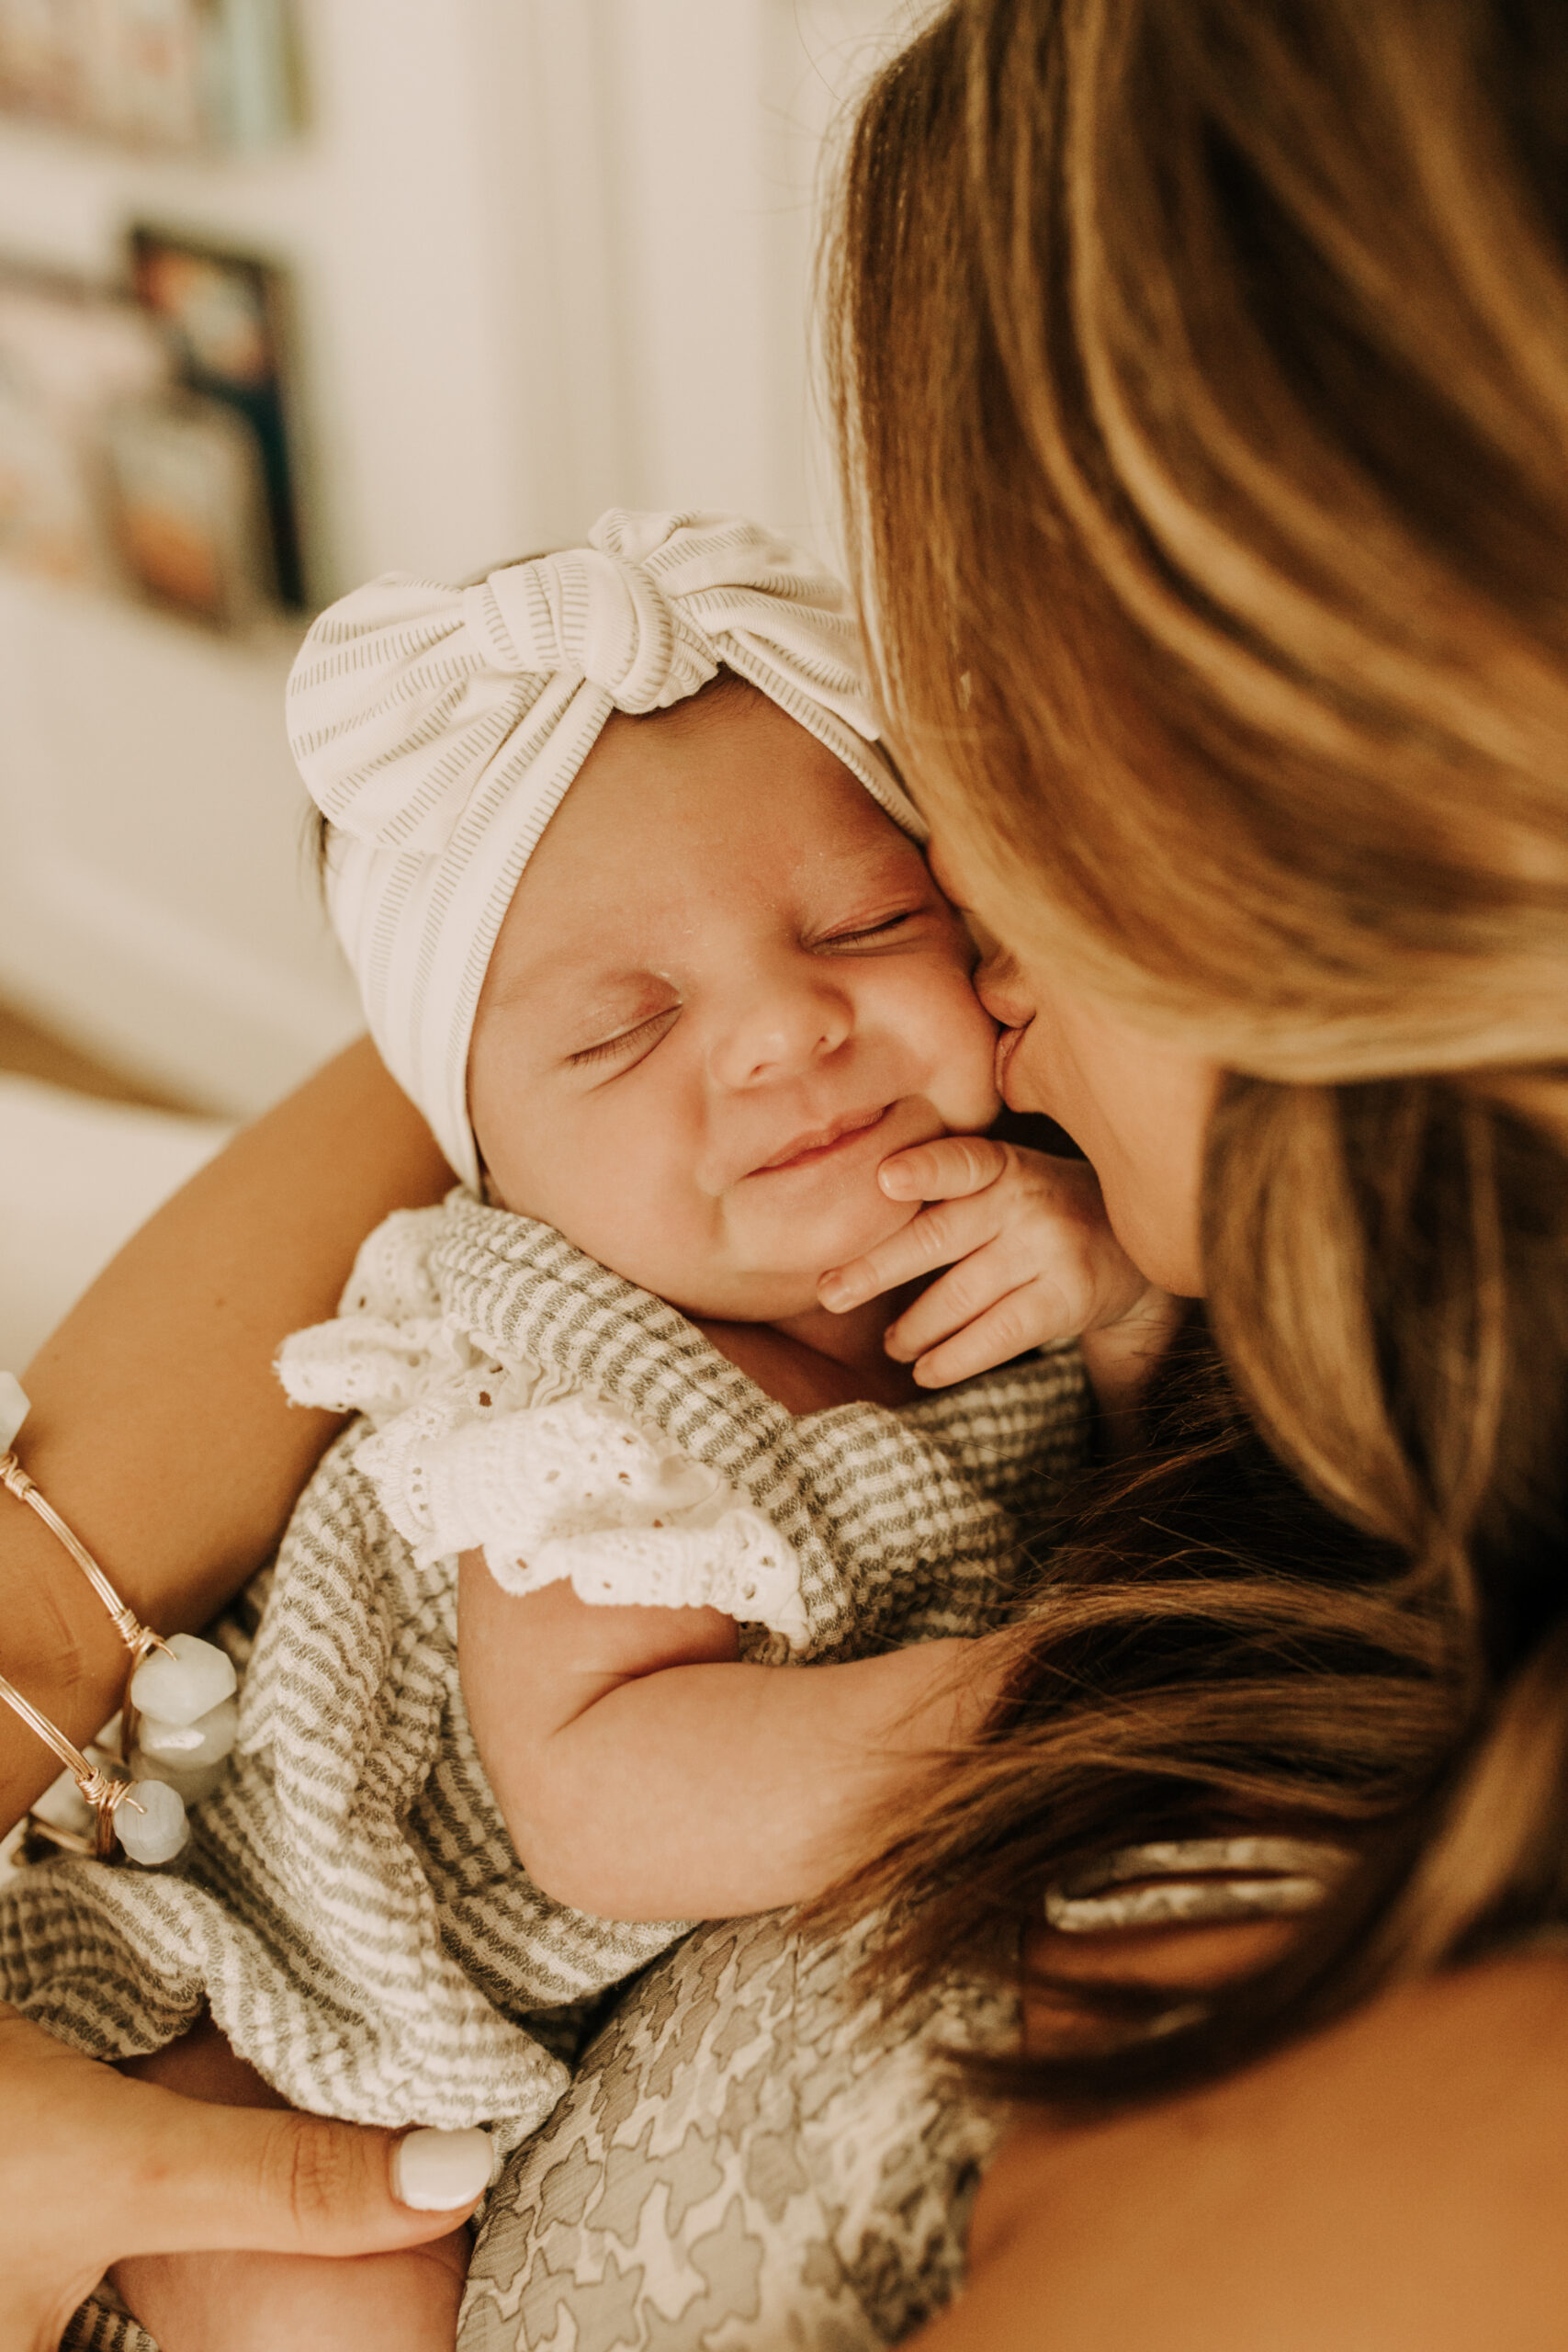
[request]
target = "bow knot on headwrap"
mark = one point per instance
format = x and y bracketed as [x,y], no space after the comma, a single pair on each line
[594,616]
[438,728]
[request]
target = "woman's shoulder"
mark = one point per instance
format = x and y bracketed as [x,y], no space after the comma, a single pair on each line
[1397,2181]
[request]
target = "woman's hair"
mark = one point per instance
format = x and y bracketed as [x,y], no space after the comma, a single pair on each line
[1201,367]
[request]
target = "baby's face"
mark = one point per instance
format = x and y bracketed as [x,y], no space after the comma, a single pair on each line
[726,989]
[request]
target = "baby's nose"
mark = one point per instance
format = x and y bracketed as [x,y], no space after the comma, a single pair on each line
[779,1031]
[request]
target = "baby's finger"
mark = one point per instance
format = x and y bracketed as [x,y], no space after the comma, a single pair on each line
[996,1336]
[944,1169]
[947,1230]
[967,1291]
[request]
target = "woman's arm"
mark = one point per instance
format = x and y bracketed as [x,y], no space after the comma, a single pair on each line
[645,1773]
[158,1429]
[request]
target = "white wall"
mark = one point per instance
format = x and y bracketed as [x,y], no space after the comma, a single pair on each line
[551,256]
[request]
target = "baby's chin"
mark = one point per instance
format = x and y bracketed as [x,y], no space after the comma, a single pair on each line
[866,1225]
[771,1292]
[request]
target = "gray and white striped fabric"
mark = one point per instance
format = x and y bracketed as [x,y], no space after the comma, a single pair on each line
[351,1907]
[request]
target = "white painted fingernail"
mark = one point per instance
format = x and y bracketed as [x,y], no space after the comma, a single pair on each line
[434,2171]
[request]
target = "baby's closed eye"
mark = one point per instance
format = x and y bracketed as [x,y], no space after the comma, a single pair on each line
[627,1043]
[904,922]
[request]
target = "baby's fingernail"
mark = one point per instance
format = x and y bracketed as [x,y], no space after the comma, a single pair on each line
[837,1292]
[897,1182]
[893,1346]
[435,2172]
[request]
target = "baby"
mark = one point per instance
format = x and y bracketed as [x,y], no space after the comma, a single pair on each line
[643,924]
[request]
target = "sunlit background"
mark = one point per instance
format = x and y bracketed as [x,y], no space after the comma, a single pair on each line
[290,294]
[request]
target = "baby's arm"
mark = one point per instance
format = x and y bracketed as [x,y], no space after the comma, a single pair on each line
[645,1773]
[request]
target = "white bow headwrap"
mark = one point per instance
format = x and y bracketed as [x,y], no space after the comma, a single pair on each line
[438,728]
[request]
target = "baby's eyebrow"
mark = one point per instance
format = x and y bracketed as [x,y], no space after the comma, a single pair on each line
[881,873]
[567,979]
[890,862]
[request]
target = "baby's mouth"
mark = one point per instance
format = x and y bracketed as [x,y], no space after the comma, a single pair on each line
[820,1143]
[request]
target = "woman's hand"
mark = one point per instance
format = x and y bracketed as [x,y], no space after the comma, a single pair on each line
[1031,1260]
[95,2168]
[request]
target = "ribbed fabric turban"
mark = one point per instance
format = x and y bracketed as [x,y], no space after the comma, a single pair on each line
[438,728]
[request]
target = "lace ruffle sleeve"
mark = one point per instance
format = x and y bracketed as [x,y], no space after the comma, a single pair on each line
[574,1489]
[468,1450]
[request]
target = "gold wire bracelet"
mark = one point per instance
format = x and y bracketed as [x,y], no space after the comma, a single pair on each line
[127,1624]
[106,1789]
[138,1639]
[104,1792]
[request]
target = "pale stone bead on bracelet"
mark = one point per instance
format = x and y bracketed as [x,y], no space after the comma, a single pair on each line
[146,1817]
[179,1698]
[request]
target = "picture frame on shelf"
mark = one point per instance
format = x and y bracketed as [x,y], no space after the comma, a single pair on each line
[143,446]
[228,318]
[189,506]
[70,352]
[172,75]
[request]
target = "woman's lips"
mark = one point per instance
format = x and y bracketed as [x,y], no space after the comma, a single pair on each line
[1008,1044]
[822,1143]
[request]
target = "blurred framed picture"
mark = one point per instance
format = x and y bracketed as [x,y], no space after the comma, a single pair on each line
[189,508]
[43,59]
[70,352]
[160,74]
[226,315]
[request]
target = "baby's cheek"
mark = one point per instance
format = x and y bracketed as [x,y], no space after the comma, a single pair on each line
[964,1087]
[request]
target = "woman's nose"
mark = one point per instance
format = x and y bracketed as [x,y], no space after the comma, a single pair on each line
[998,984]
[780,1030]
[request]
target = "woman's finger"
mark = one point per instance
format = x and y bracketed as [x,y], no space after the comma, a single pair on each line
[93,2166]
[936,1237]
[296,2184]
[943,1170]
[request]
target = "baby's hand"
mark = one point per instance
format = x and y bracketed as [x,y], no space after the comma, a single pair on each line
[1033,1261]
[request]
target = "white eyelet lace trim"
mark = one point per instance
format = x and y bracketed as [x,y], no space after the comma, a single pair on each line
[575,1489]
[465,1453]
